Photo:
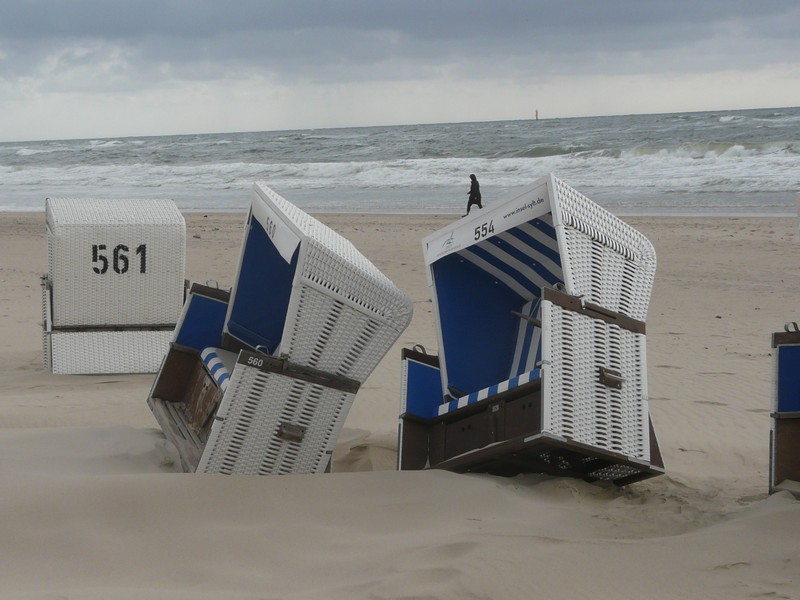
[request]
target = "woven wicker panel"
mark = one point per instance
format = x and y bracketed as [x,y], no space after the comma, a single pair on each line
[246,439]
[46,325]
[605,260]
[105,352]
[353,281]
[334,263]
[326,333]
[577,406]
[115,262]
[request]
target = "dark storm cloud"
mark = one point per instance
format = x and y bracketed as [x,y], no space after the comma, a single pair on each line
[429,19]
[150,40]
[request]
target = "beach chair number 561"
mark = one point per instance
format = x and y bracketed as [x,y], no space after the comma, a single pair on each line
[119,258]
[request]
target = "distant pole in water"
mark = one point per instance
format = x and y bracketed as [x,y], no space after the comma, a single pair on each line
[537,114]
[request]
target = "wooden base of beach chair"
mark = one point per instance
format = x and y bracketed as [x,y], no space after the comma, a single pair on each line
[785,453]
[184,400]
[784,459]
[503,436]
[274,417]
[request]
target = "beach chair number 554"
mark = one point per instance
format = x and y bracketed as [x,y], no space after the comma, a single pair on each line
[484,229]
[119,258]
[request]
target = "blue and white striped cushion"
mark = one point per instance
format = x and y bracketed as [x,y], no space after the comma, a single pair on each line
[489,391]
[215,366]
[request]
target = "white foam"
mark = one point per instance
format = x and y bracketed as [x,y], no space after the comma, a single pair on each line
[639,161]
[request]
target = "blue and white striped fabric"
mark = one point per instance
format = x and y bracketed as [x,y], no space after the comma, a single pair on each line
[527,355]
[525,258]
[211,358]
[528,347]
[492,390]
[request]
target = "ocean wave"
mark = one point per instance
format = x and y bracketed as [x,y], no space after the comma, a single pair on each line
[542,151]
[101,144]
[34,151]
[732,119]
[713,149]
[733,167]
[633,160]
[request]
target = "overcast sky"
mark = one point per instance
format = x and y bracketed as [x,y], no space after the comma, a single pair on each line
[105,68]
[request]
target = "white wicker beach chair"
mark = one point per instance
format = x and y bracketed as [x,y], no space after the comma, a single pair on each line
[260,380]
[539,303]
[784,440]
[115,284]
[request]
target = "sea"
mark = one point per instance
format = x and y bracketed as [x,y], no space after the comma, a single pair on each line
[732,162]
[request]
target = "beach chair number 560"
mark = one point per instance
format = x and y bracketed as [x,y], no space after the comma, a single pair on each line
[119,258]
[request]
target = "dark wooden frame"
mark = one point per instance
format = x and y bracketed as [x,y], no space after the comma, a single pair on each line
[784,439]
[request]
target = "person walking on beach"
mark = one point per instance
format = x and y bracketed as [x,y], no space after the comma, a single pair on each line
[474,194]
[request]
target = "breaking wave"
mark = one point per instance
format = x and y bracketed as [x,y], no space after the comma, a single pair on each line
[747,158]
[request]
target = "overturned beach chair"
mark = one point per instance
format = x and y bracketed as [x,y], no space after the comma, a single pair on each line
[540,303]
[115,284]
[259,380]
[784,439]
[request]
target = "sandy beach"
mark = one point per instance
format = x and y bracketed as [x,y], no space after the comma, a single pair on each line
[93,505]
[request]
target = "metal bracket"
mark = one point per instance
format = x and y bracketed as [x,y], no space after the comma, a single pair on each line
[291,433]
[611,378]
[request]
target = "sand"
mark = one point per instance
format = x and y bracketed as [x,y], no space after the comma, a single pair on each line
[92,505]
